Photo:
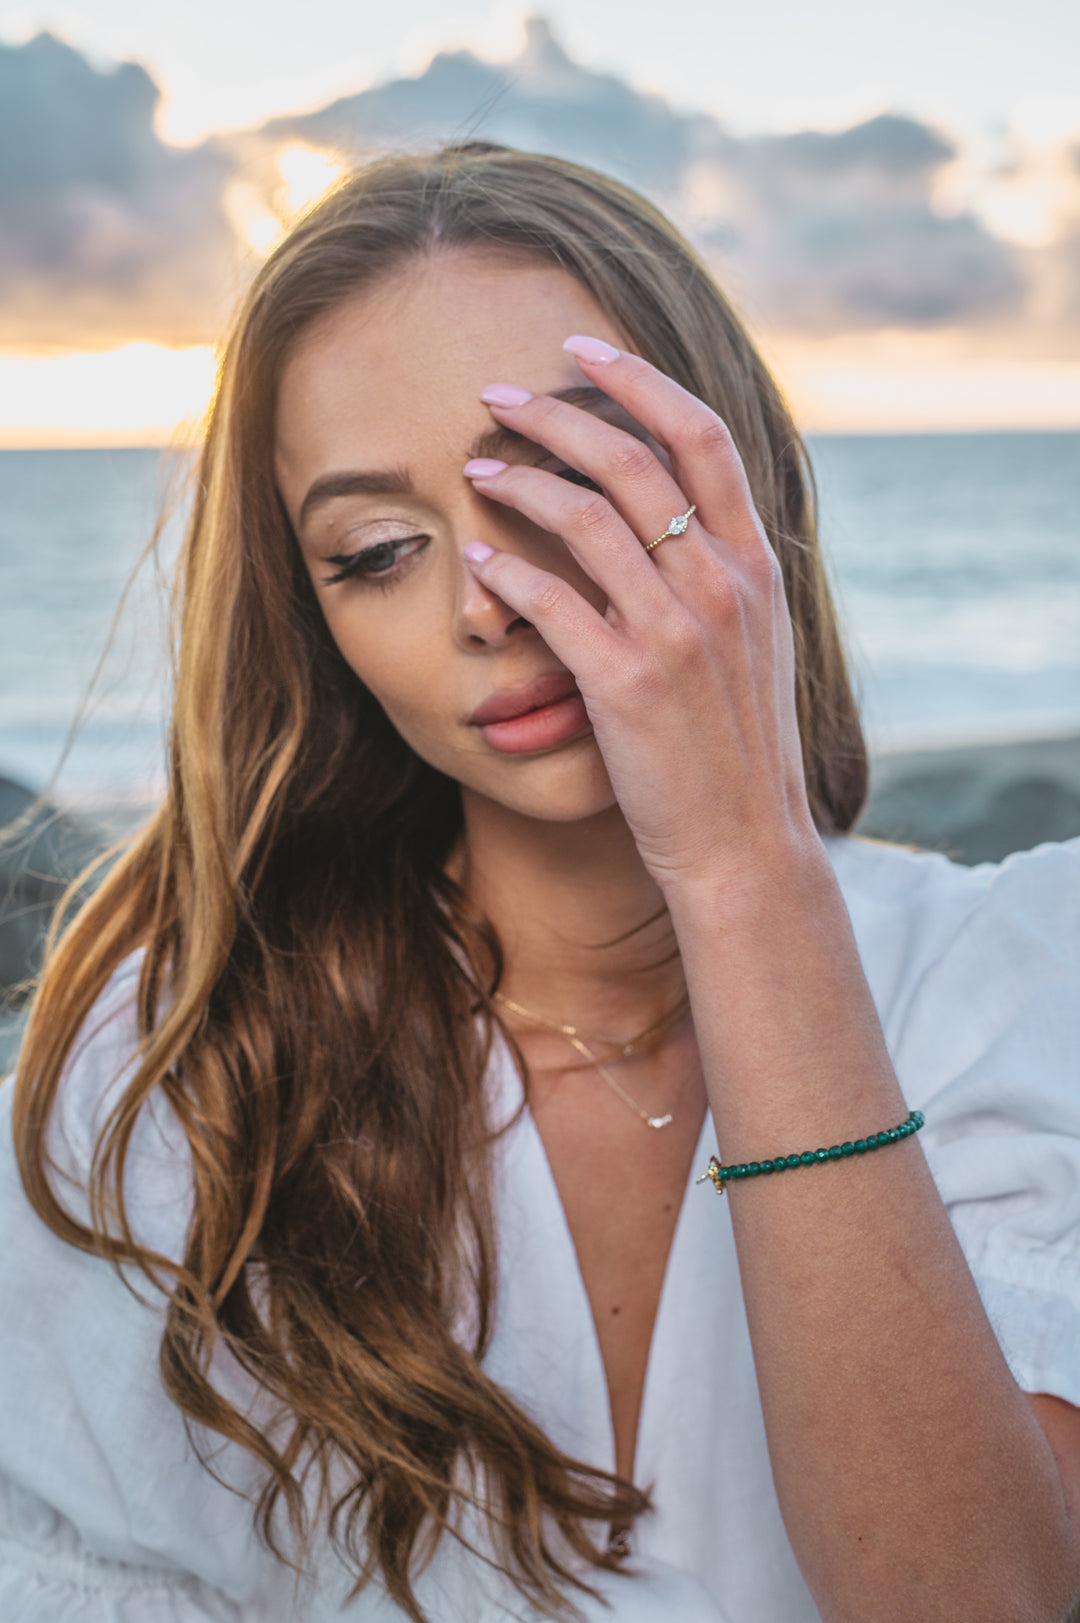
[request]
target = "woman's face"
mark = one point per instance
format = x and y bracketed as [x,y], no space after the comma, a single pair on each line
[378,412]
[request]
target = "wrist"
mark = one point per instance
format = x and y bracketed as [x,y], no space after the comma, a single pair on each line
[765,879]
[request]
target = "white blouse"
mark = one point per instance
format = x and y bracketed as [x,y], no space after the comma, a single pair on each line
[106,1515]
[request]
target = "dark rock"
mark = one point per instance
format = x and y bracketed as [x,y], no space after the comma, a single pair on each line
[978,802]
[42,849]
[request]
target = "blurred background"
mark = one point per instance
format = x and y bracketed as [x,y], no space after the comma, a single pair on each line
[890,196]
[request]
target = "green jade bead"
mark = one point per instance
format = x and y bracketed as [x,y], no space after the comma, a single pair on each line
[836,1152]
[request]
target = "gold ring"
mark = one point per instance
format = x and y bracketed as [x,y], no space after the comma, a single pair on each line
[676,527]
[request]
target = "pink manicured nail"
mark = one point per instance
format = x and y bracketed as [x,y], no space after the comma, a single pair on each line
[590,349]
[483,467]
[477,552]
[504,394]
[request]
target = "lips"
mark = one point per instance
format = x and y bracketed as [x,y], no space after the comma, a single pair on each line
[519,701]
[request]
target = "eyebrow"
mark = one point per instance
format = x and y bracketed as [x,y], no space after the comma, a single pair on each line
[390,482]
[494,442]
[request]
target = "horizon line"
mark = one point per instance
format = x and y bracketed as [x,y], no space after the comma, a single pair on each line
[807,430]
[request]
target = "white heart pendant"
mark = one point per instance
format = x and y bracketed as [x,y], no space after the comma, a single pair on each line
[660,1121]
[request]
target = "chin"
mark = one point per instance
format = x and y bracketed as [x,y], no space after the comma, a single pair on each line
[564,786]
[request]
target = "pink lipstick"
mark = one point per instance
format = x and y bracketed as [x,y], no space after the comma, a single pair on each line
[545,712]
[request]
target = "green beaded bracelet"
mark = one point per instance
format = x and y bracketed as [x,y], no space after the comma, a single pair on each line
[720,1175]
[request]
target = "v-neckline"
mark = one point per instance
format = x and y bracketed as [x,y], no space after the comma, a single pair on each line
[511,1098]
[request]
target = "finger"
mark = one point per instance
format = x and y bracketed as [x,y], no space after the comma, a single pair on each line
[627,469]
[703,455]
[575,632]
[597,537]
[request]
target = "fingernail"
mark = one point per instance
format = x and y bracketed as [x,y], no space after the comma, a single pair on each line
[477,552]
[590,349]
[483,467]
[504,394]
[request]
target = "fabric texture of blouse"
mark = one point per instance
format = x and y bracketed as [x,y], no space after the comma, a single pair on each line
[107,1516]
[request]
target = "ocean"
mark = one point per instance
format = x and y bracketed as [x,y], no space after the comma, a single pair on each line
[955,560]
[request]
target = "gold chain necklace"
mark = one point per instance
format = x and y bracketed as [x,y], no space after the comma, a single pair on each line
[651,1033]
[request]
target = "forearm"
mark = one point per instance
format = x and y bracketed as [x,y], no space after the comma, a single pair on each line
[913,1479]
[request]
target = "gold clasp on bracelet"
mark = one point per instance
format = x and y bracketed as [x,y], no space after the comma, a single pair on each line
[712,1175]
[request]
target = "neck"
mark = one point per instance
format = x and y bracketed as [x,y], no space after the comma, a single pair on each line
[561,897]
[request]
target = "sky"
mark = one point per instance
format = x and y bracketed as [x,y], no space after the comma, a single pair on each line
[772,65]
[892,194]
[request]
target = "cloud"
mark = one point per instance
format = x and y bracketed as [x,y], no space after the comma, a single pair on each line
[540,100]
[818,231]
[839,231]
[106,233]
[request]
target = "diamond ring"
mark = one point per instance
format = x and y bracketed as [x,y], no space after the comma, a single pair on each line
[676,527]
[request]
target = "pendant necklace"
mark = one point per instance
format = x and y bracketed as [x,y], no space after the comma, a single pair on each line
[651,1034]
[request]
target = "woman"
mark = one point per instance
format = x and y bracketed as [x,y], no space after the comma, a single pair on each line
[505,871]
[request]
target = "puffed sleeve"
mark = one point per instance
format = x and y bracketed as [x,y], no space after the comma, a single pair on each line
[989,1050]
[106,1514]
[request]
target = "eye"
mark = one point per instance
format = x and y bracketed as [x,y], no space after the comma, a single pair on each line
[379,565]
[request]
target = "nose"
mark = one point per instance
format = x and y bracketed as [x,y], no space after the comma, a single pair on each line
[481,619]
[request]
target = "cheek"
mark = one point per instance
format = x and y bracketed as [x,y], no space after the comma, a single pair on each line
[402,661]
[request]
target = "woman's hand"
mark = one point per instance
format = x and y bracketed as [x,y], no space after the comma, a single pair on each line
[688,675]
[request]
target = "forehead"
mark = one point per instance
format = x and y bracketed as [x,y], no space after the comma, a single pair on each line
[392,374]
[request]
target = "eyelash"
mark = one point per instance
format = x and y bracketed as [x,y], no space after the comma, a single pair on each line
[351,565]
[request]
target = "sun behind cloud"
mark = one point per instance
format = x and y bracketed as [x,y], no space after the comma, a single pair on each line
[306,174]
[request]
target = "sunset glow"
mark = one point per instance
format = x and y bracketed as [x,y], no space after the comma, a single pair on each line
[142,394]
[145,394]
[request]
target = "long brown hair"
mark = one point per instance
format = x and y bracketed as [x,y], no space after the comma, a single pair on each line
[314,994]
